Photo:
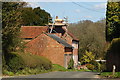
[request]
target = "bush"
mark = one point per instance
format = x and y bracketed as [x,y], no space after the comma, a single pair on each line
[71,64]
[90,67]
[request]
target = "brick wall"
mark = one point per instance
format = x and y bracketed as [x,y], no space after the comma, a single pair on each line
[45,46]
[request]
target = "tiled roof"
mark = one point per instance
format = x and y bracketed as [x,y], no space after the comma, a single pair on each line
[32,31]
[74,38]
[59,40]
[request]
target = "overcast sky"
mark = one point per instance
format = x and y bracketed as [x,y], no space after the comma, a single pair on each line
[75,11]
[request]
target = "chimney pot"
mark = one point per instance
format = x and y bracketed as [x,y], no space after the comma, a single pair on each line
[56,17]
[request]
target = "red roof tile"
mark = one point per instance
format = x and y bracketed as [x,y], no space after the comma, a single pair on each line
[69,33]
[32,31]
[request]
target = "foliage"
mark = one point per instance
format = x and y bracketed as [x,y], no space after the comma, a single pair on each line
[91,36]
[71,64]
[112,20]
[90,66]
[87,57]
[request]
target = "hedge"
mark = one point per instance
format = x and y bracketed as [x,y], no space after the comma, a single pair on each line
[19,61]
[113,55]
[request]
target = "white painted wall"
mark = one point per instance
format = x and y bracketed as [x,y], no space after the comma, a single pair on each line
[75,57]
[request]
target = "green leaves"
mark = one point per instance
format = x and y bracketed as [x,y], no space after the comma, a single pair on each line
[87,57]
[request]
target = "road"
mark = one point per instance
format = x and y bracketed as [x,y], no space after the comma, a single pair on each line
[71,74]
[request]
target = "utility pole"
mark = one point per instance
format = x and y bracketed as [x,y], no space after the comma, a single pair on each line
[66,20]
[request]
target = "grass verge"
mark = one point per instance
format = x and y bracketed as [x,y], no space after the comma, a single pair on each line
[109,75]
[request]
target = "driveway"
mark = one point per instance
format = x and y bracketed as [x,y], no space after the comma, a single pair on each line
[71,74]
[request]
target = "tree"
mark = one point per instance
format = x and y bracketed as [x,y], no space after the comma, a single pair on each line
[34,17]
[112,20]
[87,57]
[91,36]
[43,15]
[11,23]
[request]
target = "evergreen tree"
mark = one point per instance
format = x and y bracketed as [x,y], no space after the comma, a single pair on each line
[113,20]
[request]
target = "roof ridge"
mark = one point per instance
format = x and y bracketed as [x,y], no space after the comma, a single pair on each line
[36,37]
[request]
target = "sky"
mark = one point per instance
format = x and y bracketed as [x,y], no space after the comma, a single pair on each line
[75,11]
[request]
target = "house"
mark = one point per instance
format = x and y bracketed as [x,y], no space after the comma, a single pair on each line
[53,41]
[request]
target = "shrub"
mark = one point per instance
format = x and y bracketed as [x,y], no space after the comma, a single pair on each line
[90,67]
[71,64]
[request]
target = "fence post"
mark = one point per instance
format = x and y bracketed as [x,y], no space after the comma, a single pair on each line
[113,70]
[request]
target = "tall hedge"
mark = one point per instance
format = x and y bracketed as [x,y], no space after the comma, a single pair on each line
[113,55]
